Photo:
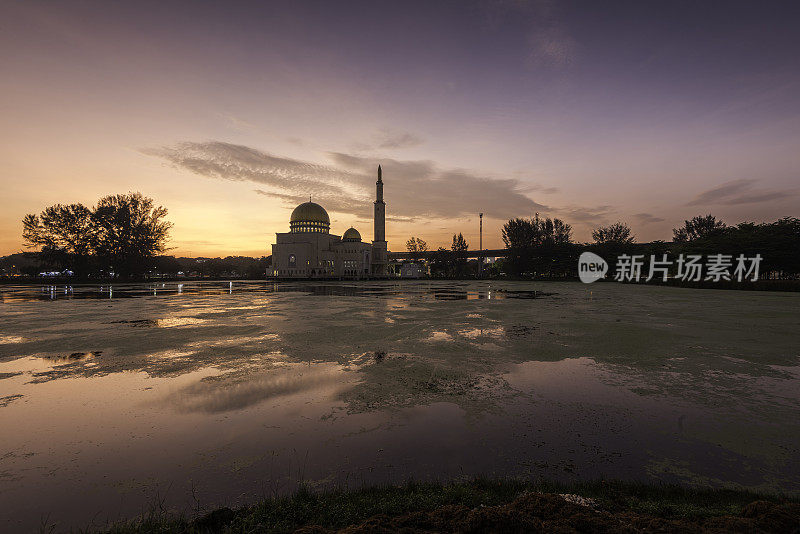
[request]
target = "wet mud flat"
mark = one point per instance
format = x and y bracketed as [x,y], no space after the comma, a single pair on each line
[225,392]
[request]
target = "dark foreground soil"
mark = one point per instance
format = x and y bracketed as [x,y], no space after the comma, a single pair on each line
[500,506]
[551,513]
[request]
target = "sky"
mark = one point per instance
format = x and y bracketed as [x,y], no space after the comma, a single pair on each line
[230,114]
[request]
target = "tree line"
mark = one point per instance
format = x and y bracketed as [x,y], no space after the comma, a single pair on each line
[544,248]
[126,235]
[444,263]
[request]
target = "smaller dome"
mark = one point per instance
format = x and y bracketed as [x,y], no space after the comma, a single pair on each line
[351,235]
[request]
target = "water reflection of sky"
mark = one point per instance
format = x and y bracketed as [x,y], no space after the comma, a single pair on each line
[240,390]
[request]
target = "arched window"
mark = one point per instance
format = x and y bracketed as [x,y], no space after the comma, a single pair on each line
[292,260]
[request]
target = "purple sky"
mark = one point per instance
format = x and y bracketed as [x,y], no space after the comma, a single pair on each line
[231,113]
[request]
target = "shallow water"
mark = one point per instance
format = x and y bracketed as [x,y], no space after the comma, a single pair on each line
[114,401]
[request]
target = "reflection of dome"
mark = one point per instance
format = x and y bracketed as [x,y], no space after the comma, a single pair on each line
[351,235]
[310,217]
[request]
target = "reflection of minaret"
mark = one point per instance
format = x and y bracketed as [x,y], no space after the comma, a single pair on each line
[379,261]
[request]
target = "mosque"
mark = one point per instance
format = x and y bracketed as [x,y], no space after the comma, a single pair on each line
[309,250]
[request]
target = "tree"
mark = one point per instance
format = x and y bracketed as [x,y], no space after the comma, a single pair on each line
[562,232]
[518,234]
[538,245]
[65,235]
[459,248]
[778,243]
[441,262]
[129,229]
[523,233]
[459,243]
[120,234]
[698,227]
[416,245]
[619,233]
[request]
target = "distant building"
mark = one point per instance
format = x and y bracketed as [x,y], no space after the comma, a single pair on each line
[411,270]
[309,250]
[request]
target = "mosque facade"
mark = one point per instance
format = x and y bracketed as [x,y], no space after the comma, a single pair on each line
[309,250]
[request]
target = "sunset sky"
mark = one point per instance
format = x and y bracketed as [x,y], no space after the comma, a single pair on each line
[229,114]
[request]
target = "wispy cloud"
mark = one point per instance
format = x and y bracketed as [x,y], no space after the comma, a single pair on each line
[414,188]
[647,218]
[238,163]
[387,139]
[391,139]
[738,192]
[721,192]
[583,214]
[237,123]
[538,188]
[424,189]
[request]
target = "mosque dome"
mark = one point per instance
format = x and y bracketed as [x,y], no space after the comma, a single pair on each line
[351,235]
[310,217]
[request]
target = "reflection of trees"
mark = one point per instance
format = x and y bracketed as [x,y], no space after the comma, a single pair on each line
[449,294]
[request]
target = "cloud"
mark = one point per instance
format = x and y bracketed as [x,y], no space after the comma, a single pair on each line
[426,190]
[753,198]
[388,140]
[738,192]
[647,218]
[413,188]
[281,196]
[581,214]
[289,178]
[237,123]
[721,192]
[540,189]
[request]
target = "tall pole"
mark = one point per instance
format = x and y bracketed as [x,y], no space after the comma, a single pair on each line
[480,258]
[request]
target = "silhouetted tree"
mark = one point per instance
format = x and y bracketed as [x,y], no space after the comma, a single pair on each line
[441,263]
[697,228]
[459,248]
[120,234]
[129,229]
[416,245]
[65,235]
[537,245]
[459,243]
[618,232]
[522,233]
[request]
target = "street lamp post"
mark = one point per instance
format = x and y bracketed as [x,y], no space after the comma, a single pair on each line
[480,247]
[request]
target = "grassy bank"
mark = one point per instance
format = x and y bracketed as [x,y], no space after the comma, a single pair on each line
[497,506]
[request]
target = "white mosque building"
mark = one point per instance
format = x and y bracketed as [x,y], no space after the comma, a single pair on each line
[309,250]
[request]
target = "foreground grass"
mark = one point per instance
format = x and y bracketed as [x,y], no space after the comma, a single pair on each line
[340,509]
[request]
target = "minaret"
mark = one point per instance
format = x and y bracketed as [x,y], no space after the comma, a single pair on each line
[379,260]
[380,209]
